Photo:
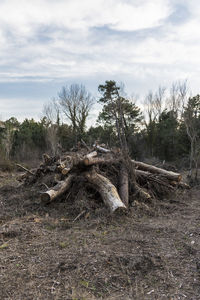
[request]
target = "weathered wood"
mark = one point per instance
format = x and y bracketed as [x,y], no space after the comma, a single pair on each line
[91,154]
[181,185]
[152,169]
[89,161]
[141,192]
[57,190]
[123,185]
[107,191]
[159,178]
[65,171]
[103,150]
[142,173]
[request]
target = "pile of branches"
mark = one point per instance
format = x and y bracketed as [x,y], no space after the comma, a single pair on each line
[117,178]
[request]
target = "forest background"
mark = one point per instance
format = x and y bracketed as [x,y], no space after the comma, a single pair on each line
[166,127]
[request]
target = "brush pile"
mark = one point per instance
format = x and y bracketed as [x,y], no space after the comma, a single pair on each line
[117,179]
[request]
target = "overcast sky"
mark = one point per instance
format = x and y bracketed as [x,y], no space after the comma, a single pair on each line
[45,44]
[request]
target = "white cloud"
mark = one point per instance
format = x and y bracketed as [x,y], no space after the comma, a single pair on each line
[77,14]
[45,40]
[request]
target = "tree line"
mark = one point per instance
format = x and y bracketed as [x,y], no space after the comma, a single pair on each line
[166,127]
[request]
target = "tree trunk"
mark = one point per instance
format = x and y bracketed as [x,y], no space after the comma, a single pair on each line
[107,191]
[57,190]
[123,185]
[91,154]
[89,161]
[103,150]
[168,174]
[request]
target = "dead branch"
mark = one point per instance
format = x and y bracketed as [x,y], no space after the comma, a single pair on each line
[25,169]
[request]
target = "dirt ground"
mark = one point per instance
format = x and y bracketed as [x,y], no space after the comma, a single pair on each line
[48,253]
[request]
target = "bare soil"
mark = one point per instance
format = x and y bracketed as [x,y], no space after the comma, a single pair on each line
[46,252]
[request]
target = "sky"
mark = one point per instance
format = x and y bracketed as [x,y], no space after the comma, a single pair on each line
[47,44]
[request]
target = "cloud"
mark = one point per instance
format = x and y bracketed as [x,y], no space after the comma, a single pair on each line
[143,43]
[23,108]
[76,14]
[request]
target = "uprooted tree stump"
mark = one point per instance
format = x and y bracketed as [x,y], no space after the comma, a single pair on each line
[118,179]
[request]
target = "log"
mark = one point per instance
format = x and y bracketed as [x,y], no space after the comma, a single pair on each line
[107,191]
[152,169]
[57,190]
[141,192]
[123,185]
[142,173]
[103,150]
[91,154]
[161,180]
[89,161]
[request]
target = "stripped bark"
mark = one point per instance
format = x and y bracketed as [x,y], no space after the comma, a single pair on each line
[141,192]
[123,185]
[91,154]
[57,190]
[89,161]
[103,150]
[107,191]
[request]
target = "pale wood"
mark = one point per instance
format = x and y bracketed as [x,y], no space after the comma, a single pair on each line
[141,192]
[89,161]
[57,190]
[91,154]
[107,191]
[103,150]
[123,185]
[152,169]
[142,173]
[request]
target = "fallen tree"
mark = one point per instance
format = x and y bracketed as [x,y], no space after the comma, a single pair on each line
[107,190]
[118,179]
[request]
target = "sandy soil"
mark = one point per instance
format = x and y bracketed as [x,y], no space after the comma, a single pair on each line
[46,253]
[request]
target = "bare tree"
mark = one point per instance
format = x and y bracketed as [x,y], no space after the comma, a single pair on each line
[183,94]
[154,104]
[174,99]
[159,100]
[150,107]
[76,103]
[52,114]
[192,123]
[178,96]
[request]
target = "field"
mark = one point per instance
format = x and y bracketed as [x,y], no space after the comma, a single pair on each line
[46,252]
